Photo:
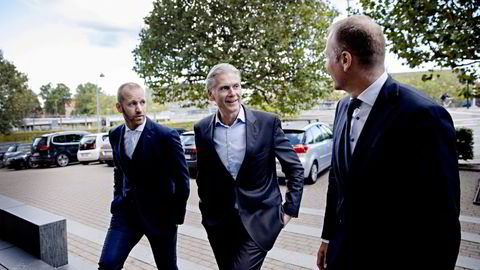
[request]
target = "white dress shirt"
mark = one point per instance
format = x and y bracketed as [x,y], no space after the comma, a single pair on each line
[230,142]
[131,138]
[360,115]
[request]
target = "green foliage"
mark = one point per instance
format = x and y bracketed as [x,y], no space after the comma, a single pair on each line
[86,100]
[446,33]
[441,81]
[276,44]
[55,98]
[17,101]
[464,143]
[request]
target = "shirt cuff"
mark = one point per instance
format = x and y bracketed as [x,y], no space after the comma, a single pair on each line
[324,240]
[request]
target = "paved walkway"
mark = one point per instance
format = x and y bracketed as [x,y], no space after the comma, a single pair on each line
[82,194]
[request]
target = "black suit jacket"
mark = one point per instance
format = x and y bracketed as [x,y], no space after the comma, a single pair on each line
[398,205]
[256,190]
[157,175]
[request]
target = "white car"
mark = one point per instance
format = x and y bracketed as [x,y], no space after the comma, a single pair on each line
[90,147]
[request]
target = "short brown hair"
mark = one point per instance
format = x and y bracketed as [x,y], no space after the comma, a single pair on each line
[126,86]
[360,36]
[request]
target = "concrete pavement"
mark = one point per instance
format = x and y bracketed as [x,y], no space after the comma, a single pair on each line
[82,194]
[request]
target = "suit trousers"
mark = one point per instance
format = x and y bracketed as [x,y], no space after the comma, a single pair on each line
[233,247]
[125,231]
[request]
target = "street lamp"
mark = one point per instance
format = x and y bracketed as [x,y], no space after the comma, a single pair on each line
[98,106]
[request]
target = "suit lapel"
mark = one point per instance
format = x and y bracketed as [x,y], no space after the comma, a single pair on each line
[377,119]
[142,141]
[209,134]
[251,134]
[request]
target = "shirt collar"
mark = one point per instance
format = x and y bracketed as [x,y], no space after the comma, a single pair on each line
[240,117]
[139,128]
[370,94]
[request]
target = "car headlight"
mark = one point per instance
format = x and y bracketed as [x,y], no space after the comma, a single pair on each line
[24,156]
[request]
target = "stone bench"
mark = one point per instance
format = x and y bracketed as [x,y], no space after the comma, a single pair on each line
[38,232]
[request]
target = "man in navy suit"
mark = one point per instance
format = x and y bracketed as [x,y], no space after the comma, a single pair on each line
[393,199]
[151,185]
[240,198]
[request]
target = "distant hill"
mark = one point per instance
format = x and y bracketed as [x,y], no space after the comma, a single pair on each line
[441,82]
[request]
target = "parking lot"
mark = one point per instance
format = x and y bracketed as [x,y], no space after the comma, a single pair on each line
[82,194]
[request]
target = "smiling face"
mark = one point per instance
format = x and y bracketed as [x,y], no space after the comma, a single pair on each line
[227,93]
[133,106]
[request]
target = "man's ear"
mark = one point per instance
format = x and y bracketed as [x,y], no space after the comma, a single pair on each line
[346,60]
[210,96]
[119,107]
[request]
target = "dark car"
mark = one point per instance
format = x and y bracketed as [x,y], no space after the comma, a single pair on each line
[58,148]
[190,150]
[20,158]
[3,149]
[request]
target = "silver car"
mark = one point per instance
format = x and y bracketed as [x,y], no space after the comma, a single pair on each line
[313,144]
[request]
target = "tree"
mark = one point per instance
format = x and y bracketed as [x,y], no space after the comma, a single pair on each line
[55,98]
[276,44]
[446,33]
[17,101]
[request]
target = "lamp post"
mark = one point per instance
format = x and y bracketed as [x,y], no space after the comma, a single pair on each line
[98,106]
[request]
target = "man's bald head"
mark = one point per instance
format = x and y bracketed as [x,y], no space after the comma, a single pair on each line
[362,37]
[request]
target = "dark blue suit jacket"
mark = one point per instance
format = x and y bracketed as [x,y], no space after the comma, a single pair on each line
[398,205]
[255,191]
[157,174]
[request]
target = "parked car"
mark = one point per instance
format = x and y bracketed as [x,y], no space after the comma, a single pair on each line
[190,150]
[313,144]
[12,148]
[58,148]
[3,149]
[20,158]
[106,153]
[90,147]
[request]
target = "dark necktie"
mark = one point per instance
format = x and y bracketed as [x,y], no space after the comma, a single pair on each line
[354,104]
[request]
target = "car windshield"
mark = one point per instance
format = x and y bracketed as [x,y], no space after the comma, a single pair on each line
[11,148]
[187,139]
[295,136]
[38,141]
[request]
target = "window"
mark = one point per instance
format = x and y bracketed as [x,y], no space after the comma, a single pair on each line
[317,134]
[327,131]
[309,137]
[59,139]
[72,138]
[104,137]
[39,141]
[294,136]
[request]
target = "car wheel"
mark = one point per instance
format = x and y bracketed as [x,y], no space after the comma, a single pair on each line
[110,163]
[62,160]
[84,162]
[31,164]
[312,177]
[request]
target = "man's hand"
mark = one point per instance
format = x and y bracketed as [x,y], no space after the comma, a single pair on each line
[286,219]
[322,256]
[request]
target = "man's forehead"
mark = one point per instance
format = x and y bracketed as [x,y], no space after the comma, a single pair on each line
[134,93]
[228,78]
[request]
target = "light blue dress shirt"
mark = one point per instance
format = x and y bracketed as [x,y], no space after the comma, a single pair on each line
[230,142]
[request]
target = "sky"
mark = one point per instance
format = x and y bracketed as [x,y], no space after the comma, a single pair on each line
[74,41]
